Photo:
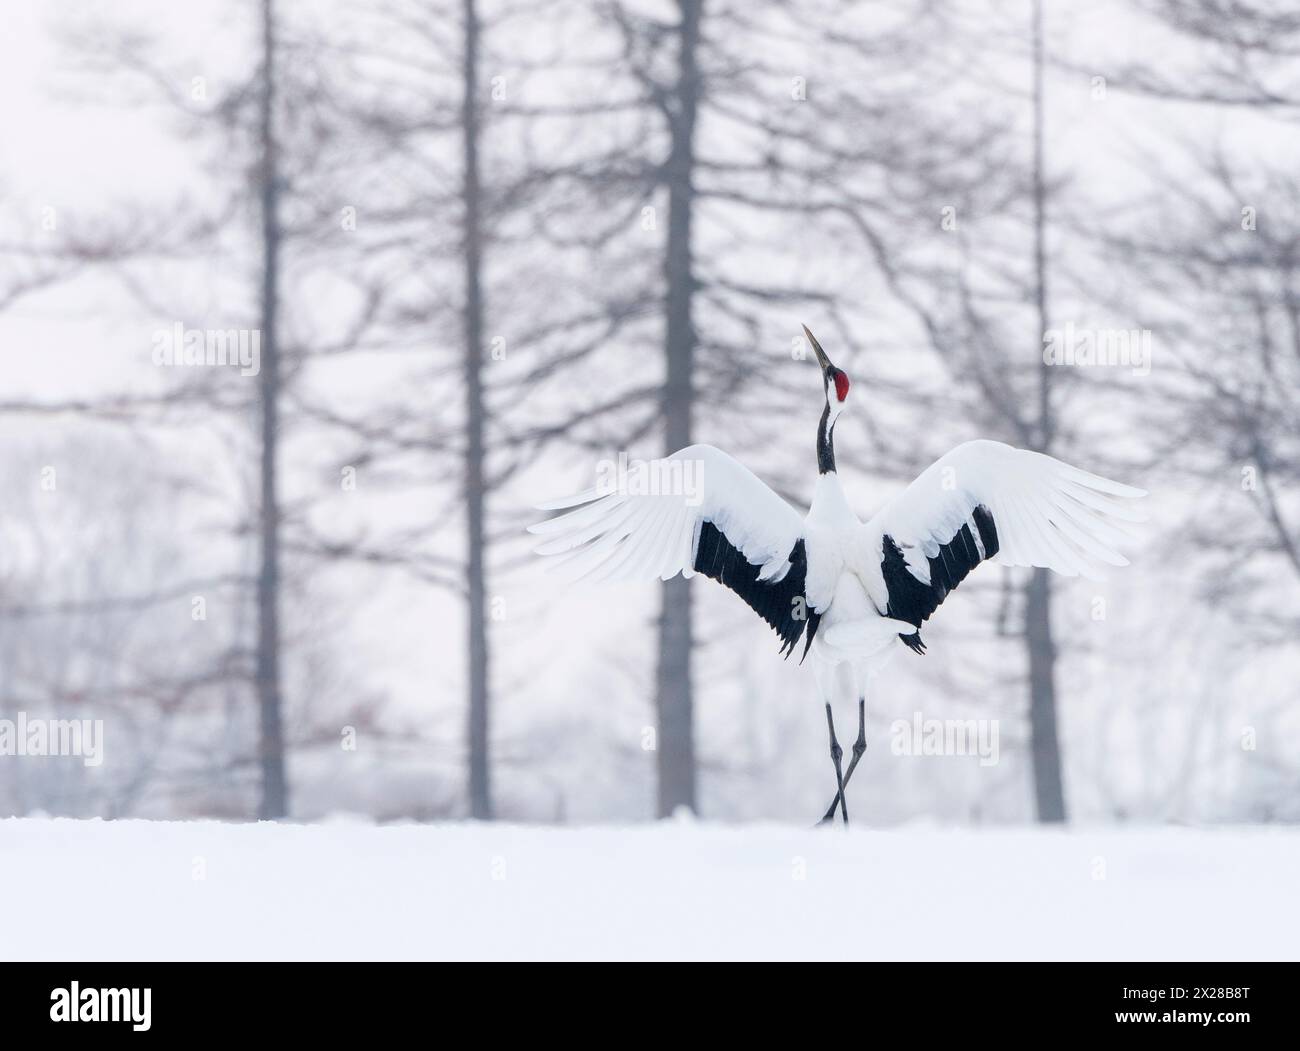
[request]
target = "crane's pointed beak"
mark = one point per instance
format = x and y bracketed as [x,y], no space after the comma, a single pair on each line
[822,359]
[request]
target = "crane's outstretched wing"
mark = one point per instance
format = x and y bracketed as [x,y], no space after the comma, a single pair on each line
[985,500]
[696,511]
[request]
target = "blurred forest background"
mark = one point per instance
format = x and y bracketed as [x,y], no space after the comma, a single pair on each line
[485,244]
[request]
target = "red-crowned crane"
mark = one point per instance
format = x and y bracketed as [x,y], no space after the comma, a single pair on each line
[856,592]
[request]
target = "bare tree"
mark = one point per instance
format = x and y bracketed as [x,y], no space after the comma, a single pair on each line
[266,144]
[480,794]
[674,704]
[1049,792]
[1225,259]
[449,288]
[275,790]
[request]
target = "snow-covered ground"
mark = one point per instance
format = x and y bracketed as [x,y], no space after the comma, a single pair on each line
[95,890]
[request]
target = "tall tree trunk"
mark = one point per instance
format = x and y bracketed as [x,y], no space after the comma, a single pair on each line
[674,703]
[275,794]
[1045,748]
[1049,793]
[480,791]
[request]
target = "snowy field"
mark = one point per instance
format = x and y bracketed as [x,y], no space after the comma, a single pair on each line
[343,890]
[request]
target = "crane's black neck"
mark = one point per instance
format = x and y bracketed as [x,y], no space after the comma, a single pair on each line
[826,442]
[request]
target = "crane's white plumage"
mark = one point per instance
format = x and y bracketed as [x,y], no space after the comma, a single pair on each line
[1047,513]
[624,534]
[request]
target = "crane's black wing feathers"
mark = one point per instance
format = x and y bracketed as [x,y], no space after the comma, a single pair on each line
[912,599]
[781,603]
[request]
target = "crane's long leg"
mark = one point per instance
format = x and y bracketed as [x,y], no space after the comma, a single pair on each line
[837,753]
[859,747]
